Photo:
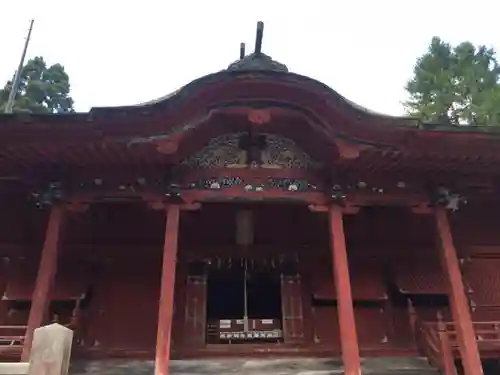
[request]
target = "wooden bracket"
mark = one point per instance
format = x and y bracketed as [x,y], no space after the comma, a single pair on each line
[169,146]
[348,150]
[259,116]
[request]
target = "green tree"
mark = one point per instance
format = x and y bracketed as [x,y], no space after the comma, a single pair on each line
[42,89]
[456,85]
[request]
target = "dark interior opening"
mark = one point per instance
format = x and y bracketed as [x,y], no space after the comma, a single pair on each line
[86,302]
[366,304]
[61,311]
[264,295]
[232,293]
[225,294]
[321,302]
[20,305]
[438,301]
[398,299]
[491,366]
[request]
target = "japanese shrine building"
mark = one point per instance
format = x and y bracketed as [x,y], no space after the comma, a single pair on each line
[254,210]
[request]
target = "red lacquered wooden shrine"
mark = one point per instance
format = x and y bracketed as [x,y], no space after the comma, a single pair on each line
[253,212]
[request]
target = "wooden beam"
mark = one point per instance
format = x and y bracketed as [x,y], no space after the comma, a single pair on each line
[345,310]
[45,277]
[458,299]
[347,209]
[165,313]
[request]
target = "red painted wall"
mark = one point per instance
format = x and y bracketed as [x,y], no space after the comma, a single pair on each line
[121,245]
[124,306]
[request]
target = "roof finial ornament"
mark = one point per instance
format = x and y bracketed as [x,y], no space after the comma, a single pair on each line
[242,50]
[258,38]
[257,61]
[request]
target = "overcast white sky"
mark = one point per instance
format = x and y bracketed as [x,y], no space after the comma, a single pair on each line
[127,52]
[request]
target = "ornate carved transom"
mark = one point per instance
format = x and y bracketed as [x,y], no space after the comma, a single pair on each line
[235,150]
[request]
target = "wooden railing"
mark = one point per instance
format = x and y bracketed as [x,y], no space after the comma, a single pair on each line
[436,345]
[49,353]
[438,341]
[433,340]
[12,337]
[487,334]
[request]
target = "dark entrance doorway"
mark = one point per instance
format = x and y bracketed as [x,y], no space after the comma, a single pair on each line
[244,302]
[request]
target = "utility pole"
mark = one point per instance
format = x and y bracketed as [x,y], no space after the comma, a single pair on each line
[17,77]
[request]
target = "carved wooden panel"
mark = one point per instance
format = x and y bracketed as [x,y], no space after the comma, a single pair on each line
[195,310]
[291,301]
[232,151]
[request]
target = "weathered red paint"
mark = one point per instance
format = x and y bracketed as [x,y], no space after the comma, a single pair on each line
[165,314]
[396,161]
[458,300]
[45,278]
[118,279]
[347,324]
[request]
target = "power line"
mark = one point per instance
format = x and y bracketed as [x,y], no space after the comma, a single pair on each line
[17,78]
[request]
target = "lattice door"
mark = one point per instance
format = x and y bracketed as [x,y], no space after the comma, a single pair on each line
[291,300]
[195,318]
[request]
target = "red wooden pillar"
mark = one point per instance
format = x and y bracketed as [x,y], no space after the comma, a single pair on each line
[347,323]
[45,277]
[165,313]
[458,300]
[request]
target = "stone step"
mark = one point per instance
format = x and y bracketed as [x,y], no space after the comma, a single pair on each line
[288,366]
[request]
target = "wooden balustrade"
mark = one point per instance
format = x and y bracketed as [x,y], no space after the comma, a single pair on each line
[437,340]
[487,334]
[432,339]
[446,351]
[50,352]
[12,337]
[428,343]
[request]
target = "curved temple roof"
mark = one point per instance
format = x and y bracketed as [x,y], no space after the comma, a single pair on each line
[255,67]
[253,82]
[260,64]
[258,61]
